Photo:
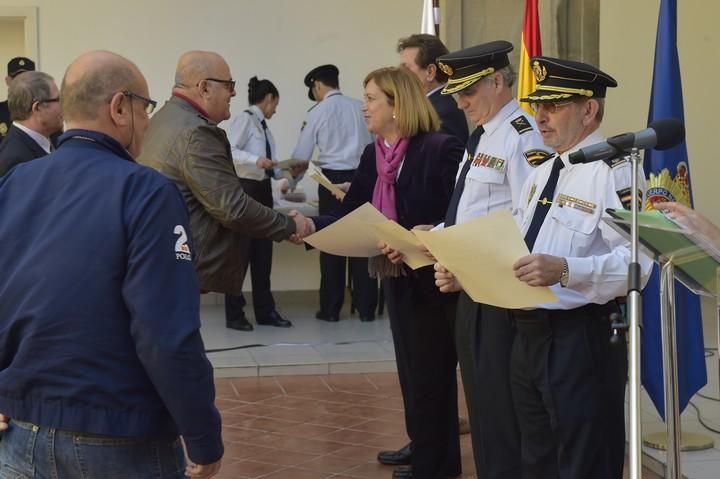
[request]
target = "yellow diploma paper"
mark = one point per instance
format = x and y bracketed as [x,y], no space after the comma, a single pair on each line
[351,235]
[480,253]
[404,241]
[318,176]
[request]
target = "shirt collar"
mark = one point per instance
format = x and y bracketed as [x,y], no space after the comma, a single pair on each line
[591,139]
[431,92]
[256,111]
[40,139]
[505,112]
[193,104]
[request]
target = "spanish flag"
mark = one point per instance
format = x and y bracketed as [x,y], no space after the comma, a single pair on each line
[529,47]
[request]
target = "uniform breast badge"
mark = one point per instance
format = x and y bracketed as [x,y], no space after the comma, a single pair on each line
[532,193]
[576,203]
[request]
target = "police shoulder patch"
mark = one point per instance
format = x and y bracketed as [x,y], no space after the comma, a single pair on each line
[521,125]
[536,156]
[617,161]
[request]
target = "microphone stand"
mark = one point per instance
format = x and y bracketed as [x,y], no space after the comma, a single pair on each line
[634,304]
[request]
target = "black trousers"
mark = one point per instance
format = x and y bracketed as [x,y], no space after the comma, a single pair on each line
[422,332]
[568,385]
[332,268]
[260,255]
[483,338]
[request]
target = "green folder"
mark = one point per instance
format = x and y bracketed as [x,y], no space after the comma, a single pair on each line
[690,252]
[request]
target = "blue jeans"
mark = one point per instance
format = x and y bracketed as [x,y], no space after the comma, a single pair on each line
[28,451]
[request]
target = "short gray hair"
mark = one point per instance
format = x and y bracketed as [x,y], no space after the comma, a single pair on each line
[508,75]
[83,98]
[25,89]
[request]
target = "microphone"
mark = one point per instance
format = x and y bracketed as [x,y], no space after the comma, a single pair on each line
[660,135]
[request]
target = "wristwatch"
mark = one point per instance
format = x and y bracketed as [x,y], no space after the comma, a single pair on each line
[564,276]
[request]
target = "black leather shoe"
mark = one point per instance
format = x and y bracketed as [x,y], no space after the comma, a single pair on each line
[367,318]
[403,472]
[401,457]
[274,319]
[241,324]
[332,318]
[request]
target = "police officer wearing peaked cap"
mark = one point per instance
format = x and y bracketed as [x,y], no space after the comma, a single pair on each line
[502,152]
[335,125]
[567,380]
[15,67]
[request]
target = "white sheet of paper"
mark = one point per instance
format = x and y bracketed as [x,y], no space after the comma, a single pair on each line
[480,253]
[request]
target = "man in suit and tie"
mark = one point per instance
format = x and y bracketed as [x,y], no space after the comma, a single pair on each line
[33,101]
[418,54]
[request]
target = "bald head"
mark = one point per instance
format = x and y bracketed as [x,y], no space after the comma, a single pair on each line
[92,79]
[196,66]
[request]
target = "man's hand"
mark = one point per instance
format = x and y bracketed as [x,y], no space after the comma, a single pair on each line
[539,269]
[264,163]
[297,170]
[690,219]
[395,257]
[445,280]
[304,226]
[284,186]
[202,471]
[344,187]
[3,422]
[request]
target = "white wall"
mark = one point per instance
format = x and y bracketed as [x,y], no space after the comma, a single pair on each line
[276,39]
[12,44]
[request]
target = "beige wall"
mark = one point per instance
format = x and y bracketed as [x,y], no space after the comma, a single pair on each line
[12,44]
[627,41]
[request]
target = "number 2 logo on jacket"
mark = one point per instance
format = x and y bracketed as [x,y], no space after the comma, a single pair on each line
[182,250]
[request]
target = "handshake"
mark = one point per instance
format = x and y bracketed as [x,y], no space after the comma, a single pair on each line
[304,226]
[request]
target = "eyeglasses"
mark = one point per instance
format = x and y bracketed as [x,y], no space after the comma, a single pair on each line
[149,104]
[45,100]
[229,84]
[550,107]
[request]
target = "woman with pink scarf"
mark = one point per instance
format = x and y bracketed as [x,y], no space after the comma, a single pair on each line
[408,174]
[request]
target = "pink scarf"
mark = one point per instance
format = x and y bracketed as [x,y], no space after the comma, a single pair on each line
[387,162]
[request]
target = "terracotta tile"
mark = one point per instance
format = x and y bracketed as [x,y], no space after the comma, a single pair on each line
[240,434]
[296,473]
[363,438]
[302,384]
[236,451]
[361,453]
[370,471]
[382,427]
[335,420]
[350,382]
[308,430]
[252,468]
[286,458]
[331,464]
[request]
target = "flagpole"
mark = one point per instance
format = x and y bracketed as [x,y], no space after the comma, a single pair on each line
[436,17]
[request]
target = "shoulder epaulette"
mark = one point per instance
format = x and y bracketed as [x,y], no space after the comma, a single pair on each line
[521,125]
[617,161]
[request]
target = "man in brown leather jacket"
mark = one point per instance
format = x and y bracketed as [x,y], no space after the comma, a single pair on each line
[185,144]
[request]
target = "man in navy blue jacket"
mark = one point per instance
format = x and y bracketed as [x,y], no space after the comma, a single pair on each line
[102,366]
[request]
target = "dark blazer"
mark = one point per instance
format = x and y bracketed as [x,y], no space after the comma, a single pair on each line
[422,191]
[18,147]
[452,119]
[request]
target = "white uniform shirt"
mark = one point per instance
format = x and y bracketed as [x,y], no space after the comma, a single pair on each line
[247,143]
[597,256]
[502,161]
[337,126]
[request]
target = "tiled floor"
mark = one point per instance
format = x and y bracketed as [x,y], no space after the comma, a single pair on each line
[318,400]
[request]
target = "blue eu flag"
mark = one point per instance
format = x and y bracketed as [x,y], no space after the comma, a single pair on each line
[669,180]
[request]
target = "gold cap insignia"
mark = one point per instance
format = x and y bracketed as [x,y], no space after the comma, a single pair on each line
[21,63]
[446,69]
[3,129]
[539,71]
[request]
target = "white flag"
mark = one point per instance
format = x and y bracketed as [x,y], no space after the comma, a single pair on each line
[428,18]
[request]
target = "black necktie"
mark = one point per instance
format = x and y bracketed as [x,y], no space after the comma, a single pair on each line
[270,173]
[451,215]
[544,203]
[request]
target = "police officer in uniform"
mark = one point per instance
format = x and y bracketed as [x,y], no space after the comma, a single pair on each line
[337,127]
[15,67]
[502,152]
[567,380]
